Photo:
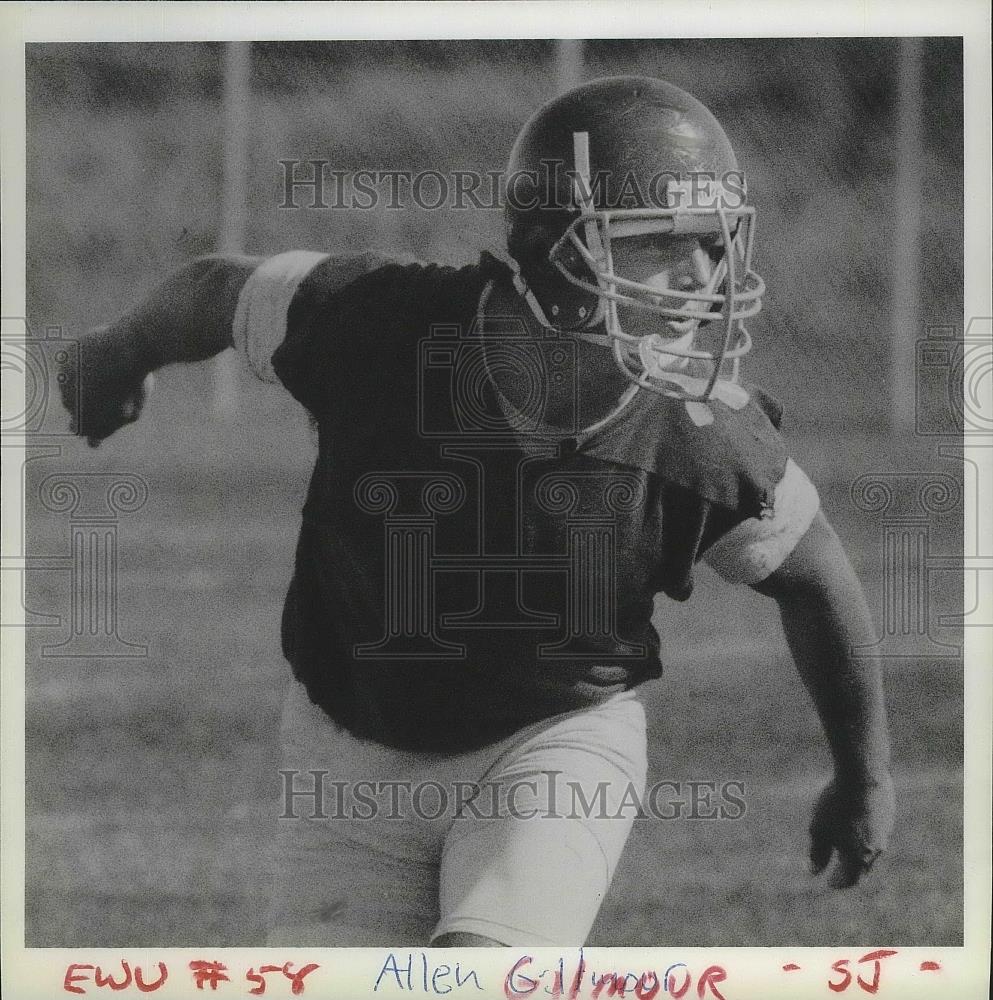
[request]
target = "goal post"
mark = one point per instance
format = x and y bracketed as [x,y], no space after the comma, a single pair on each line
[235,115]
[568,64]
[908,177]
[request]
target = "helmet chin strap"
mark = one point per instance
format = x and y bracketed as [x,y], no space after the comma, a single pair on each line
[599,339]
[522,289]
[655,361]
[657,365]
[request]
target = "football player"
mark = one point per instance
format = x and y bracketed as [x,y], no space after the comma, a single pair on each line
[514,458]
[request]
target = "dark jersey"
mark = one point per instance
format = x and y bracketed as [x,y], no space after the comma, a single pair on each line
[459,574]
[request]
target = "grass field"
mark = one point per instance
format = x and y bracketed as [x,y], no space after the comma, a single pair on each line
[152,782]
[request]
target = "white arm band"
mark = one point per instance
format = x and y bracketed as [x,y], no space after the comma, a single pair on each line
[754,549]
[259,325]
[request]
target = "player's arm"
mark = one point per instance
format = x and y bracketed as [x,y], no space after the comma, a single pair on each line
[828,628]
[796,558]
[187,318]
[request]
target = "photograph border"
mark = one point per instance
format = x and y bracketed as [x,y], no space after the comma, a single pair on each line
[352,973]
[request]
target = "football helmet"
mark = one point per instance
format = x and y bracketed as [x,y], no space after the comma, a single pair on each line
[627,157]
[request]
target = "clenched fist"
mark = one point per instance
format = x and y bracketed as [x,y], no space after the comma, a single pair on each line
[856,822]
[106,387]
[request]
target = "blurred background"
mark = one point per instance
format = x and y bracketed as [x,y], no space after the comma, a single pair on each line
[151,779]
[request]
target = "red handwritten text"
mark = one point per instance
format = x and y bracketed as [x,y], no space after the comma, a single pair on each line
[870,986]
[295,978]
[77,973]
[677,980]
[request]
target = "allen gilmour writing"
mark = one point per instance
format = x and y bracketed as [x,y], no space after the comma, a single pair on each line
[574,979]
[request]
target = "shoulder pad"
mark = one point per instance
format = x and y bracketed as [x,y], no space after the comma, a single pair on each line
[735,461]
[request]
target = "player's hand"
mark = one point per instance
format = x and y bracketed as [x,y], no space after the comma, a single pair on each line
[106,387]
[854,821]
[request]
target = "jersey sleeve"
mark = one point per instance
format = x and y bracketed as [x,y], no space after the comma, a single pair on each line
[296,299]
[354,326]
[259,324]
[756,547]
